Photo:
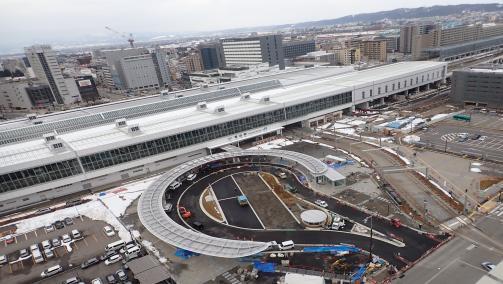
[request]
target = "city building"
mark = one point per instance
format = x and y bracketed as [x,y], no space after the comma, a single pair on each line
[410,31]
[212,56]
[373,50]
[254,50]
[46,68]
[123,140]
[316,57]
[481,85]
[456,42]
[190,63]
[40,95]
[13,94]
[296,48]
[87,88]
[392,43]
[347,56]
[135,69]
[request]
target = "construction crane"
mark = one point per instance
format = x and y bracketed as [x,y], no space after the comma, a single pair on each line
[130,39]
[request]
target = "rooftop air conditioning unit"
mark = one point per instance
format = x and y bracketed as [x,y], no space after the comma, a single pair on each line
[245,96]
[49,137]
[120,123]
[31,116]
[57,145]
[265,99]
[220,109]
[202,105]
[133,129]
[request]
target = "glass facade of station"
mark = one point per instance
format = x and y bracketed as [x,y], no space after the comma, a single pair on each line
[129,153]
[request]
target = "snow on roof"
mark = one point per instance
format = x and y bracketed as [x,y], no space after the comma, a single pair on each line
[158,125]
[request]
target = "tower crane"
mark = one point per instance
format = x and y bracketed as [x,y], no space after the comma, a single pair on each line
[130,39]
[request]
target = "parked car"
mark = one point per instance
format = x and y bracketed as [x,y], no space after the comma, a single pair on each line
[107,254]
[109,231]
[10,239]
[53,270]
[487,265]
[3,259]
[43,211]
[475,136]
[127,246]
[68,221]
[482,138]
[184,212]
[76,234]
[96,281]
[321,203]
[174,185]
[73,202]
[73,280]
[49,228]
[197,225]
[286,245]
[168,208]
[34,247]
[56,242]
[59,225]
[191,177]
[66,238]
[46,244]
[113,259]
[111,279]
[23,253]
[89,262]
[281,174]
[121,275]
[48,253]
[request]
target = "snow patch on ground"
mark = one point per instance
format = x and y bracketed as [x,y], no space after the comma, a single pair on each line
[149,246]
[475,170]
[94,210]
[411,139]
[437,185]
[321,144]
[274,144]
[439,116]
[119,199]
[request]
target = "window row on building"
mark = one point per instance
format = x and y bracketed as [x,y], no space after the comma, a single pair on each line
[39,175]
[129,153]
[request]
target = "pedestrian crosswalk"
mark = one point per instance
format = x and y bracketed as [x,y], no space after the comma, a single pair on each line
[449,137]
[229,277]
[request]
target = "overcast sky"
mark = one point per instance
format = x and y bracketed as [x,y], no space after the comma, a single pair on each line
[24,22]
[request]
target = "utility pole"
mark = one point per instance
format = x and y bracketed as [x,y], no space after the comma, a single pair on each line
[466,201]
[371,232]
[445,148]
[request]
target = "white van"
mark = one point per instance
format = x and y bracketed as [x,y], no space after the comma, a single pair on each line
[115,245]
[37,256]
[76,234]
[174,185]
[51,271]
[133,252]
[286,245]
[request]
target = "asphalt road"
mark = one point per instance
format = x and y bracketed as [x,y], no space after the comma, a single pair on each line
[459,260]
[416,243]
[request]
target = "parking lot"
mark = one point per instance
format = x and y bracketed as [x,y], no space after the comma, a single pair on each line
[91,244]
[483,136]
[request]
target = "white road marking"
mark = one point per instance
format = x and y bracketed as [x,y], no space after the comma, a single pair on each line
[249,204]
[441,270]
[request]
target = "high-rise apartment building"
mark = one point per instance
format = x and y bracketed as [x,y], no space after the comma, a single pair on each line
[373,50]
[347,56]
[392,42]
[297,48]
[43,60]
[212,55]
[254,50]
[410,31]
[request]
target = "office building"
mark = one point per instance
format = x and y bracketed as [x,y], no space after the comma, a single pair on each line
[347,56]
[392,43]
[23,94]
[46,68]
[293,49]
[135,69]
[212,55]
[481,85]
[129,139]
[254,50]
[87,88]
[190,63]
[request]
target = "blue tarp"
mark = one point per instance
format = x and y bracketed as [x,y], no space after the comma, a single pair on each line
[264,266]
[340,248]
[359,274]
[185,254]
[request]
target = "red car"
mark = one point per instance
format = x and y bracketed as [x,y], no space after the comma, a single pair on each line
[9,239]
[184,212]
